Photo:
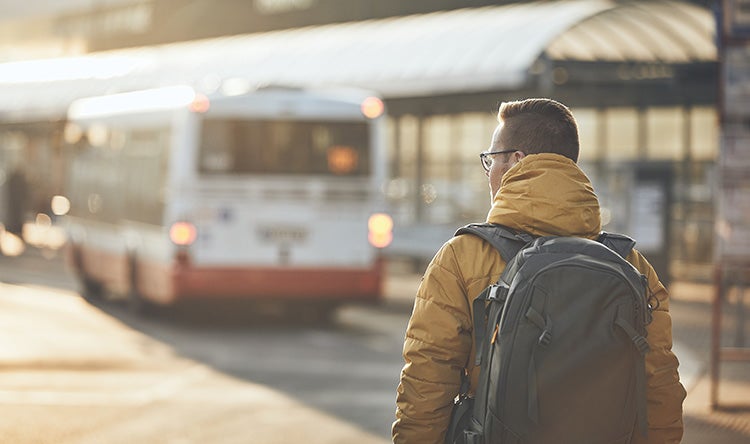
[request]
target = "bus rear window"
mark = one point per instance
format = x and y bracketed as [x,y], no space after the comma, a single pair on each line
[233,146]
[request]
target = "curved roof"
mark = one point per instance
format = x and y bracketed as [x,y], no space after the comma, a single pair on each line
[465,50]
[660,31]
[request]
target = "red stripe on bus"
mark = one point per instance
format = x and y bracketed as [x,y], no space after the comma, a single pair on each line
[165,283]
[279,283]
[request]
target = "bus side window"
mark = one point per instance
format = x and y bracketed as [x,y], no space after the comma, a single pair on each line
[217,147]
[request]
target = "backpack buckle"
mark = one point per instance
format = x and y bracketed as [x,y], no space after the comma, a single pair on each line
[545,338]
[498,292]
[641,344]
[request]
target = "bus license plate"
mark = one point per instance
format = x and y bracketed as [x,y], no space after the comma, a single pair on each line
[282,234]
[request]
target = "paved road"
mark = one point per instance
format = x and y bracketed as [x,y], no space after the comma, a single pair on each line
[71,372]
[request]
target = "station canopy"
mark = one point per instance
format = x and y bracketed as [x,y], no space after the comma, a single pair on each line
[448,52]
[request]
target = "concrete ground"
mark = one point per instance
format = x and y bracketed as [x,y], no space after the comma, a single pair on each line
[691,308]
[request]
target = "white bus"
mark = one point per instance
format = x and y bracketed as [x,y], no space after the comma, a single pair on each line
[271,195]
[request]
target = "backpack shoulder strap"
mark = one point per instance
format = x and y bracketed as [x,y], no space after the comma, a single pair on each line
[508,243]
[619,243]
[503,239]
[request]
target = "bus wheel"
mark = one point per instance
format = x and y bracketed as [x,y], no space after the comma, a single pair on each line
[135,301]
[90,289]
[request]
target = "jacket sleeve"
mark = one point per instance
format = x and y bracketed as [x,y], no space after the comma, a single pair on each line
[437,347]
[665,393]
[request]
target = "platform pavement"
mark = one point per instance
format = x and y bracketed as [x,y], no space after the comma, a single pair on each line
[691,306]
[49,333]
[691,313]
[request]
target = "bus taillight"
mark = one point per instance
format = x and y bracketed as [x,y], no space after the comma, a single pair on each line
[200,104]
[183,233]
[372,107]
[380,227]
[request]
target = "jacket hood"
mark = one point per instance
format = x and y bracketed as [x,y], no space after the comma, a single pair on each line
[547,194]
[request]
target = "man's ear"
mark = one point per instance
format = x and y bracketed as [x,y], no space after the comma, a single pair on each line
[518,155]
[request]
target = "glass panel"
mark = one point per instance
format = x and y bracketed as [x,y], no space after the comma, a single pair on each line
[391,129]
[704,133]
[622,133]
[93,175]
[587,133]
[473,197]
[144,166]
[408,142]
[438,139]
[125,178]
[664,133]
[233,146]
[436,191]
[476,134]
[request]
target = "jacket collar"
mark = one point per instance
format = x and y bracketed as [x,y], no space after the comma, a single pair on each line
[547,194]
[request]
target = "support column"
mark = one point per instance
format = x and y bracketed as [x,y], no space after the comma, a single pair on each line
[419,172]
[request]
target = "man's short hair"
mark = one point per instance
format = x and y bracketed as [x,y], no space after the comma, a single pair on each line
[539,126]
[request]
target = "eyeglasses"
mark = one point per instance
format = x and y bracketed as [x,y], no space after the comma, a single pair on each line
[486,157]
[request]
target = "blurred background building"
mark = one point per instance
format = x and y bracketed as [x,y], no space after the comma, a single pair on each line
[640,76]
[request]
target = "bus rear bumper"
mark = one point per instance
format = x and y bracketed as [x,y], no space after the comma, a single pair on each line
[286,284]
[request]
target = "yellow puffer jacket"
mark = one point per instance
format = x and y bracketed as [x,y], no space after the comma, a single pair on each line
[543,194]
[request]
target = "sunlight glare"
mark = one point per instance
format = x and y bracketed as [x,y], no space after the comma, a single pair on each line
[10,244]
[157,99]
[75,68]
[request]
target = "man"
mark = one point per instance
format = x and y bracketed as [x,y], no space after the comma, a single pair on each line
[537,188]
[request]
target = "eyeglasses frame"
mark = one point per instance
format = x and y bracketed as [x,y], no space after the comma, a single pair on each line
[486,154]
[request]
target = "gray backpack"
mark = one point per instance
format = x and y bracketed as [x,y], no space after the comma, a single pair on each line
[560,341]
